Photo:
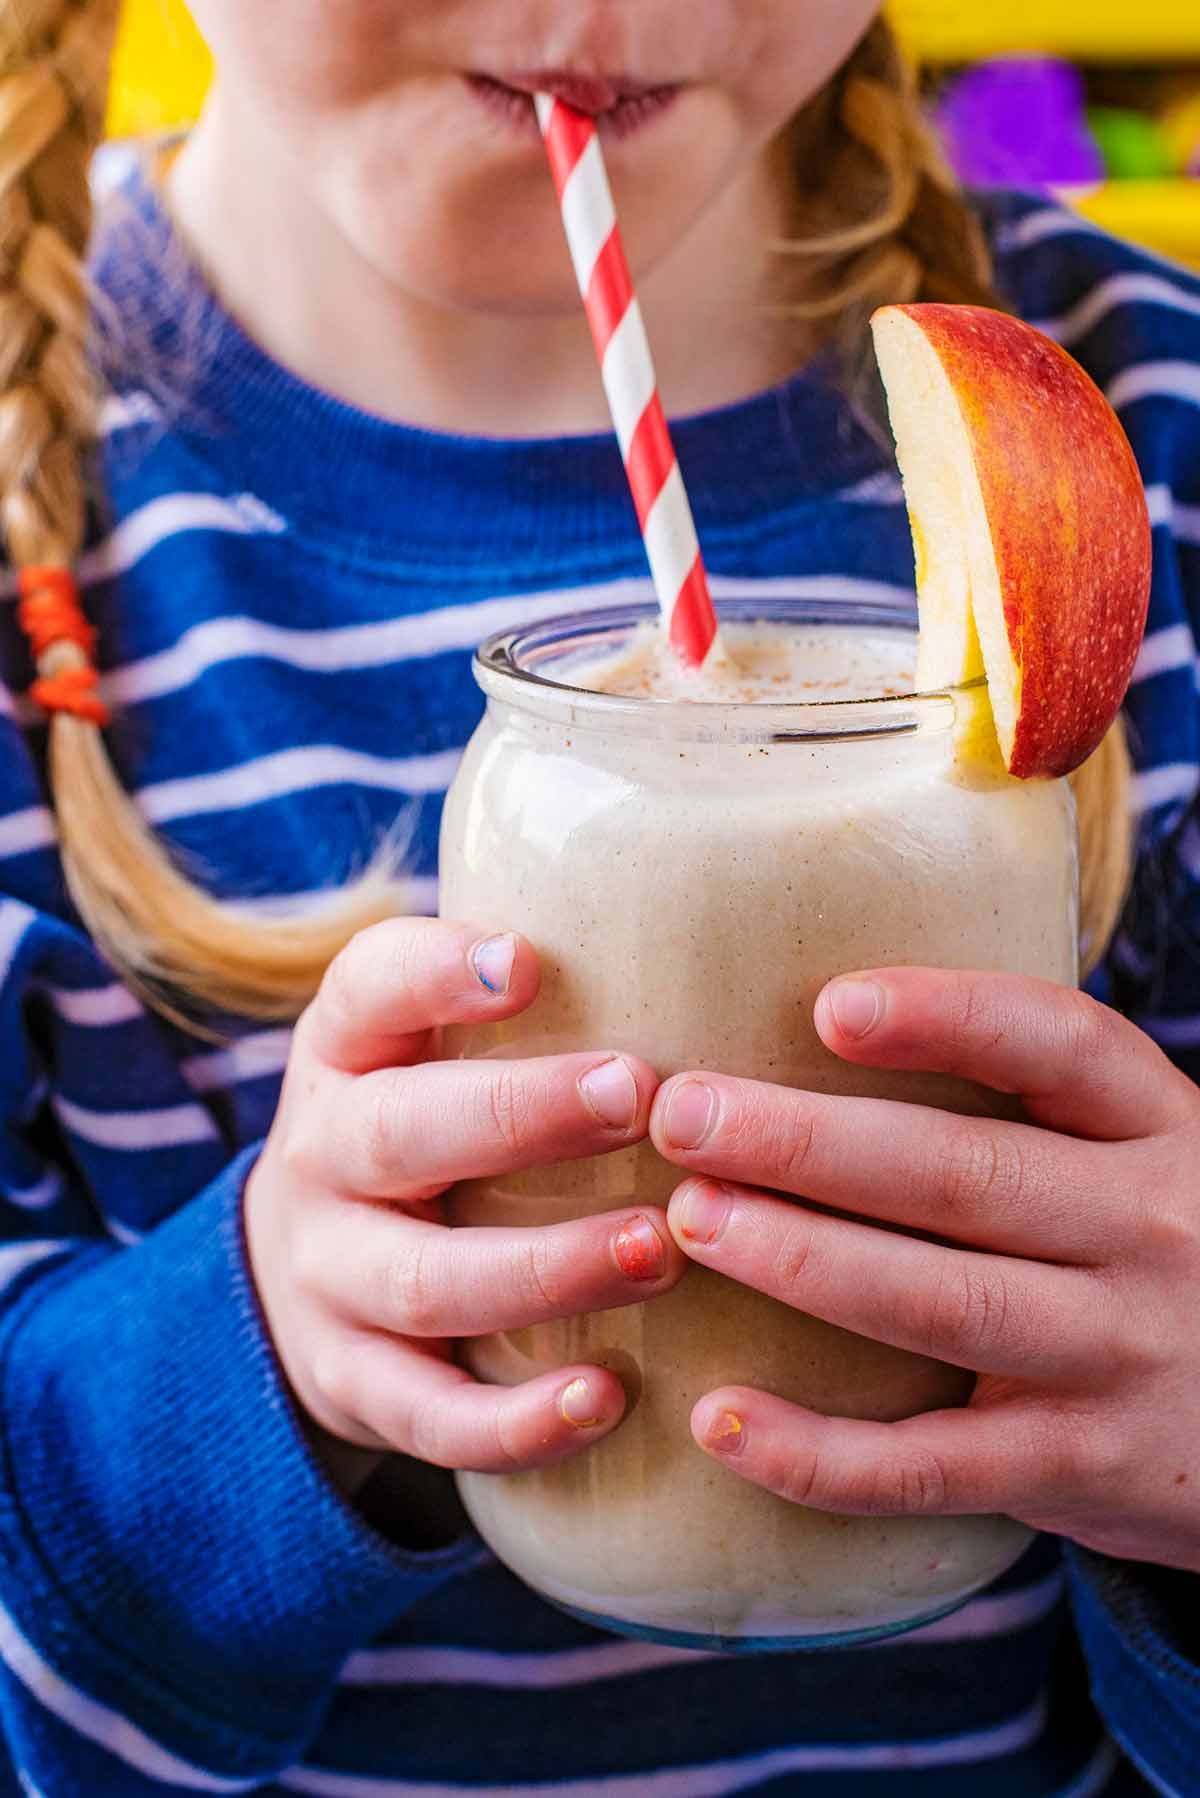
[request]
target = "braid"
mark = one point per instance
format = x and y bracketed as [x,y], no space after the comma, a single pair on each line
[916,238]
[49,120]
[170,939]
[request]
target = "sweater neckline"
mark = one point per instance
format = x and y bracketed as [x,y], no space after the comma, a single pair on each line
[343,475]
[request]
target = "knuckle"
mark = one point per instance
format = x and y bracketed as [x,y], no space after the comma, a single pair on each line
[1168,1231]
[382,1134]
[404,951]
[775,1137]
[1088,1031]
[794,1254]
[303,1032]
[309,1265]
[301,1148]
[913,1485]
[1100,1456]
[422,1429]
[982,1171]
[541,1272]
[1127,1336]
[795,1147]
[800,1482]
[509,1108]
[331,1377]
[970,1311]
[972,1022]
[1085,1452]
[505,1447]
[413,1290]
[392,952]
[342,986]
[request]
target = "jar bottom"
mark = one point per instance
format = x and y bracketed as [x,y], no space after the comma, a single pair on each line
[826,1643]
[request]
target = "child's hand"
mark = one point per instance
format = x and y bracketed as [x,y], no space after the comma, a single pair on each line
[362,1286]
[1071,1282]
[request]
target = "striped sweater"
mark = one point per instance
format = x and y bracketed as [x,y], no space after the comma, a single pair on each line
[287,593]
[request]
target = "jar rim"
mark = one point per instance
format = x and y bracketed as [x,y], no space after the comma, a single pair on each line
[501,671]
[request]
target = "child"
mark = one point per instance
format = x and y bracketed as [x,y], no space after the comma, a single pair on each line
[329,464]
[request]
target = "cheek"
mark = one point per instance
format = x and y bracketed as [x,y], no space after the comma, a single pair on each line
[292,54]
[800,45]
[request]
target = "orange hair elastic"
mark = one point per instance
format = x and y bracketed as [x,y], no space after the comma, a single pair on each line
[49,612]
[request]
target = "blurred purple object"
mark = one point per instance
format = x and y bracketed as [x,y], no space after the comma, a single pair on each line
[1019,122]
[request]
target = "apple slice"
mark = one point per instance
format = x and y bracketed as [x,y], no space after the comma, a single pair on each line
[1029,526]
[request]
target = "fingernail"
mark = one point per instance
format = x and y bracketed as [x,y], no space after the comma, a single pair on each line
[726,1434]
[493,960]
[610,1093]
[578,1407]
[640,1251]
[691,1113]
[703,1211]
[857,1006]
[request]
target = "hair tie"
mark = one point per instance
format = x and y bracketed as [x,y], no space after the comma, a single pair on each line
[49,612]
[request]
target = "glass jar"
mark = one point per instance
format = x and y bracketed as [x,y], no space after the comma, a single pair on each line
[692,874]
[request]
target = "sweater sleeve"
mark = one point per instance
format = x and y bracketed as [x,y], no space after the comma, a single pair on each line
[1140,1628]
[179,1583]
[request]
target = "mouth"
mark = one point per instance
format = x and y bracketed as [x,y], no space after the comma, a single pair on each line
[620,106]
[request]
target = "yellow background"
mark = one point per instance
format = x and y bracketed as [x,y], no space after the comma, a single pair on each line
[1094,30]
[161,68]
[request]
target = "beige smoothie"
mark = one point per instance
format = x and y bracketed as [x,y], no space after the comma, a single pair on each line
[693,860]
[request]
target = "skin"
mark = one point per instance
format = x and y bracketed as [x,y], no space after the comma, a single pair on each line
[363,1287]
[1064,1273]
[343,173]
[383,235]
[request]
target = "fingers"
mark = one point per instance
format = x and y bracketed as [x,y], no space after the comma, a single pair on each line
[1078,1066]
[418,1279]
[414,1403]
[981,1181]
[983,1312]
[397,981]
[414,1131]
[951,1463]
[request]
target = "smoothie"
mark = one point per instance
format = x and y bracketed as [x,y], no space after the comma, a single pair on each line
[694,861]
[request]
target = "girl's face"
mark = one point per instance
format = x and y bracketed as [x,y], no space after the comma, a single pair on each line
[406,122]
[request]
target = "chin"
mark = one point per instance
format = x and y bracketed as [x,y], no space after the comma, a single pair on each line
[478,229]
[517,272]
[502,253]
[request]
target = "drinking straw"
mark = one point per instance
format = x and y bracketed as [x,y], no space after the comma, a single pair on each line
[619,332]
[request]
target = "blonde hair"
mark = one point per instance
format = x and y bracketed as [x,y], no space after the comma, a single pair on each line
[166,935]
[171,940]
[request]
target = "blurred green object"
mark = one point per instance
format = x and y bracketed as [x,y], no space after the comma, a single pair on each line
[1133,145]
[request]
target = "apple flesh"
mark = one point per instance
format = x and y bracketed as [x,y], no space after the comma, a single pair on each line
[1029,522]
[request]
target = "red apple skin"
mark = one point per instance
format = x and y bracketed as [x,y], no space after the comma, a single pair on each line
[1067,514]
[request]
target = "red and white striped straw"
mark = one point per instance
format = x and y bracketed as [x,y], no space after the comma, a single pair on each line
[664,514]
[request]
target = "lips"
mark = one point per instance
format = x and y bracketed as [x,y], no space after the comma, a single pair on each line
[593,94]
[620,106]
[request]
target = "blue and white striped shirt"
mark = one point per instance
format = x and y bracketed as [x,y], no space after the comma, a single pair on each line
[287,593]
